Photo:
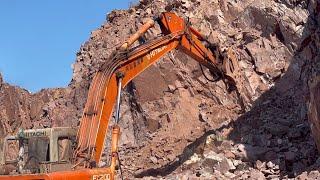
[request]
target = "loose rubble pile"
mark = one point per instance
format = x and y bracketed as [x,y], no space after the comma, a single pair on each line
[181,125]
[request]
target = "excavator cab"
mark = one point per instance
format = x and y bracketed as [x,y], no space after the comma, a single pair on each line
[39,151]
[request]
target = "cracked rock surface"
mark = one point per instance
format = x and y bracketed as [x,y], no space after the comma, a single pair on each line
[178,125]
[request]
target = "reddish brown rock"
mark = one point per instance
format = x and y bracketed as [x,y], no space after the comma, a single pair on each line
[171,108]
[314,110]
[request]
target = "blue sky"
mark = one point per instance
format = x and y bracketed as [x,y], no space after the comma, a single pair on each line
[39,38]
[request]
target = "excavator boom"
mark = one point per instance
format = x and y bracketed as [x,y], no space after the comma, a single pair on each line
[130,63]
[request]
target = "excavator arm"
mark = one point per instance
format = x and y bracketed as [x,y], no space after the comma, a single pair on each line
[125,65]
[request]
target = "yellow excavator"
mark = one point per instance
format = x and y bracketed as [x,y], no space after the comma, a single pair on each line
[67,153]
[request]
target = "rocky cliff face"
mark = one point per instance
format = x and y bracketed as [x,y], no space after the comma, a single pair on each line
[178,124]
[47,108]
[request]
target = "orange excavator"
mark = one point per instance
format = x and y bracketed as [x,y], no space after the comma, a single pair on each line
[82,160]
